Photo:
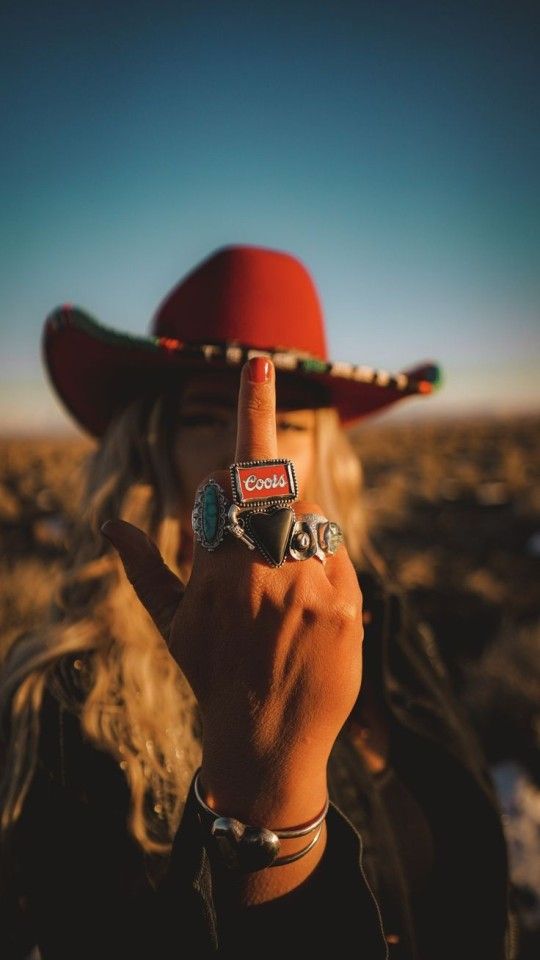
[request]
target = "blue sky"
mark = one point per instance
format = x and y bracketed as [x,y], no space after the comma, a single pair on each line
[394,147]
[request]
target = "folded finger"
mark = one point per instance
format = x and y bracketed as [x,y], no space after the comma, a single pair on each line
[157,587]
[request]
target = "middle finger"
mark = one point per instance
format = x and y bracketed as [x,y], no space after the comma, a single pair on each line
[256,437]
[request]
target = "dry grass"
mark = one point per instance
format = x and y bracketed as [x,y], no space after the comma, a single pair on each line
[453,507]
[39,489]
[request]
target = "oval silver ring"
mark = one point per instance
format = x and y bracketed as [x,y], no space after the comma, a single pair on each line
[314,536]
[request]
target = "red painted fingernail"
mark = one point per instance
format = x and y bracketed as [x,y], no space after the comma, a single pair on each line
[259,370]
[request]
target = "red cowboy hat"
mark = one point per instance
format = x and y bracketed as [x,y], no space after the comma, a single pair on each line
[239,301]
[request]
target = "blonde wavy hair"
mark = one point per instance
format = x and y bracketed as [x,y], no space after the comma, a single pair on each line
[136,705]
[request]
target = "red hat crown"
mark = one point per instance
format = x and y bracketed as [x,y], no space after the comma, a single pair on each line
[248,295]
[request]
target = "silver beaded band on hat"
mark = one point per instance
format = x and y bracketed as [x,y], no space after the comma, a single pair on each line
[261,516]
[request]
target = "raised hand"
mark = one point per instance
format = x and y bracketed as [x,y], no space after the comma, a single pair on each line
[273,654]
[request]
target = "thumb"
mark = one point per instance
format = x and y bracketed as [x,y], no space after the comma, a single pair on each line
[157,587]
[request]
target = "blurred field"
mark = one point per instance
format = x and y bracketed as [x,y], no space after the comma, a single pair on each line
[453,508]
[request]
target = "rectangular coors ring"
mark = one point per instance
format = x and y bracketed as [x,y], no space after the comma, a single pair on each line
[259,482]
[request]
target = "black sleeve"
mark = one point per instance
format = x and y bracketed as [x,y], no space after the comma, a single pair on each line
[75,881]
[81,886]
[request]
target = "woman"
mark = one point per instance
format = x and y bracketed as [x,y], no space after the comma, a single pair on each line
[100,727]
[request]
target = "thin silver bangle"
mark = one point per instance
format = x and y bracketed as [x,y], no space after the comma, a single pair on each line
[248,849]
[288,833]
[291,857]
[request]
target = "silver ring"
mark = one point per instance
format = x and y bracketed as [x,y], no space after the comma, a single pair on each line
[209,514]
[314,536]
[263,483]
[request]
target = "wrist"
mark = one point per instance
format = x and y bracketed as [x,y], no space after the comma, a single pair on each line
[264,796]
[244,847]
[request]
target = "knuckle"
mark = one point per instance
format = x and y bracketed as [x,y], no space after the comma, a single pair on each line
[306,599]
[257,403]
[347,613]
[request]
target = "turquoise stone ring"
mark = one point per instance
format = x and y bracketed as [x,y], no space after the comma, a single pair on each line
[209,514]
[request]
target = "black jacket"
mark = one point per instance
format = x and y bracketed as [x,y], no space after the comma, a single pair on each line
[75,881]
[437,755]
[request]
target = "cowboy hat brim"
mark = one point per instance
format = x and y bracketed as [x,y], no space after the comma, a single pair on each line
[97,371]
